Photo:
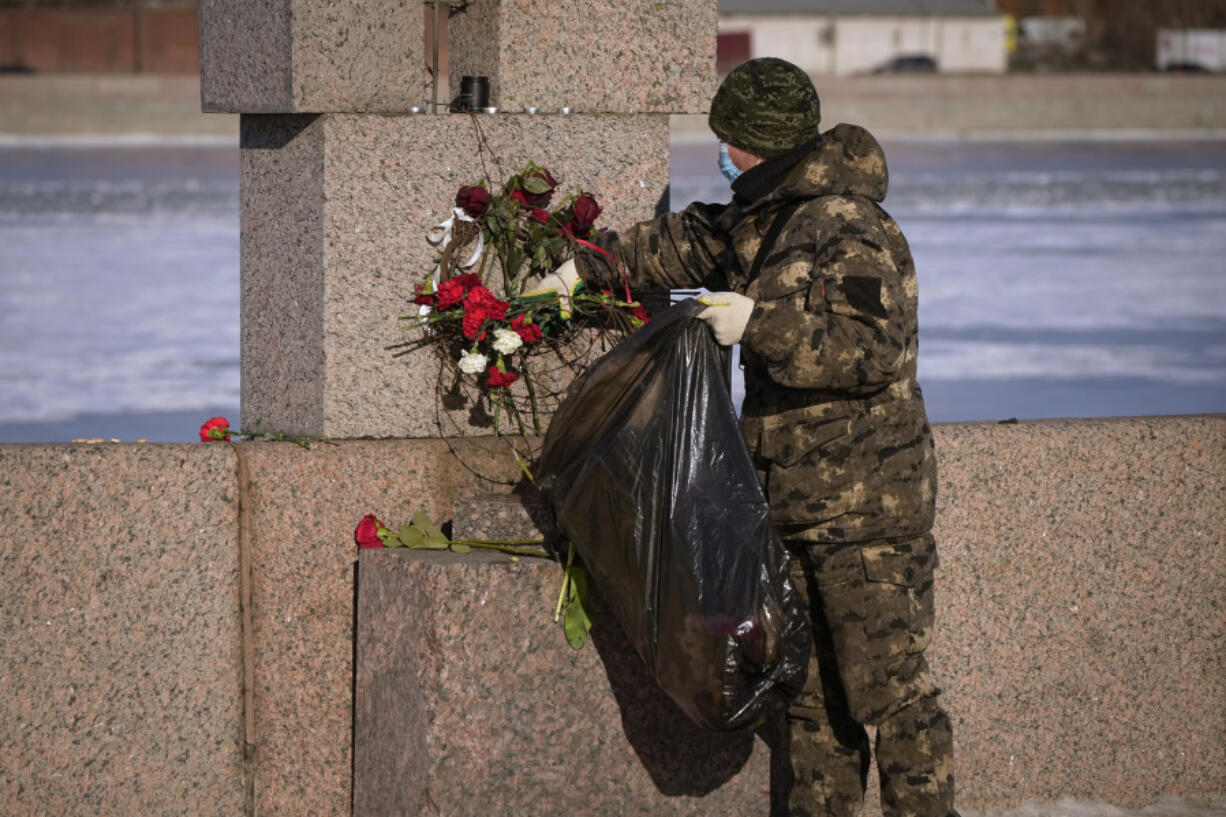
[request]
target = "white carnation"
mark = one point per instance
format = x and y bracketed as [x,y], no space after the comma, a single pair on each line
[506,341]
[473,362]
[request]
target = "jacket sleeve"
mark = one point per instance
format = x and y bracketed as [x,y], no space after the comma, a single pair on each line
[675,250]
[845,325]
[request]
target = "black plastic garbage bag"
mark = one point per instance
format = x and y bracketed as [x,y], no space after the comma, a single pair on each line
[647,473]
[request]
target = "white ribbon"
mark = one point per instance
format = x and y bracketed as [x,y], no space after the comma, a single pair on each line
[440,235]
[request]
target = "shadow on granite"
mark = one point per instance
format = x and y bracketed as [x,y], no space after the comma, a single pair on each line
[681,757]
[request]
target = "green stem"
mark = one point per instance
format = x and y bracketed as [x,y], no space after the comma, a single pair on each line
[536,414]
[570,558]
[505,547]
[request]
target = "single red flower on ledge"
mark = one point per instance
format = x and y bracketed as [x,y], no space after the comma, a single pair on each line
[217,428]
[367,533]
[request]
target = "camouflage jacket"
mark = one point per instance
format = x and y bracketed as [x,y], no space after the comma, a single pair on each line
[833,414]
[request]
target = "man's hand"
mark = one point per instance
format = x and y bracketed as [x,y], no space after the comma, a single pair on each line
[728,314]
[561,282]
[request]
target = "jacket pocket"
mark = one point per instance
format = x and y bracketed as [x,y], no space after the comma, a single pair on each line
[790,436]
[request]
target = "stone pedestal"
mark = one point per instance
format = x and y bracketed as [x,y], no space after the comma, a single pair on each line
[470,702]
[335,210]
[622,56]
[309,56]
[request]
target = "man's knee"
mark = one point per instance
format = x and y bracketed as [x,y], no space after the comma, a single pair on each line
[881,623]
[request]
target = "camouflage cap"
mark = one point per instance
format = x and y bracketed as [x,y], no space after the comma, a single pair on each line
[766,106]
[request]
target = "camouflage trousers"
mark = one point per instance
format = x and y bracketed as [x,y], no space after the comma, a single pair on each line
[872,614]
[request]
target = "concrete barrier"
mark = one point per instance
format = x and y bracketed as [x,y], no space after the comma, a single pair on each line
[1079,633]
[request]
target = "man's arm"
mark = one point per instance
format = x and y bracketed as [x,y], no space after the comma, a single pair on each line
[845,326]
[675,250]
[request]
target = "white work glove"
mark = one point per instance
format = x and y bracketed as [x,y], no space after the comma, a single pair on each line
[728,314]
[561,282]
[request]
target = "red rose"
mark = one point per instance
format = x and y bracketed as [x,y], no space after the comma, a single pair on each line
[473,199]
[217,428]
[480,306]
[500,379]
[367,533]
[535,187]
[587,210]
[539,215]
[528,332]
[422,298]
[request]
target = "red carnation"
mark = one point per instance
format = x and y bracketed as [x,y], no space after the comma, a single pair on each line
[528,332]
[422,298]
[481,306]
[217,428]
[500,379]
[587,210]
[367,533]
[453,290]
[473,199]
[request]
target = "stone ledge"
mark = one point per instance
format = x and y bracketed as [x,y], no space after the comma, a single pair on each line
[120,630]
[509,516]
[470,702]
[623,56]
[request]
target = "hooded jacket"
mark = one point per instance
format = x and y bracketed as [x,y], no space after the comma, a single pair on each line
[833,414]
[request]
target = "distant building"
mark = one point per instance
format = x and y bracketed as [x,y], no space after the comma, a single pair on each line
[862,36]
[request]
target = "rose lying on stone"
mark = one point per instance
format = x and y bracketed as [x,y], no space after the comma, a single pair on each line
[217,428]
[367,533]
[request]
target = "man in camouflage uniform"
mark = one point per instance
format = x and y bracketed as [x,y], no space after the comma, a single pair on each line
[834,418]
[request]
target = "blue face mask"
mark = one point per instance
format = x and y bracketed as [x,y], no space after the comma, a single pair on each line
[730,171]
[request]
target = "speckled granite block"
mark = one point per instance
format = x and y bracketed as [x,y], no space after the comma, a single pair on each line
[470,702]
[119,631]
[282,273]
[508,517]
[624,56]
[1082,607]
[335,213]
[311,56]
[304,505]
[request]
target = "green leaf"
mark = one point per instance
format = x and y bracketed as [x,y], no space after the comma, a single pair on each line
[536,185]
[576,625]
[460,547]
[410,537]
[431,537]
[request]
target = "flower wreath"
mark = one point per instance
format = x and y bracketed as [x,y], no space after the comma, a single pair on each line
[490,246]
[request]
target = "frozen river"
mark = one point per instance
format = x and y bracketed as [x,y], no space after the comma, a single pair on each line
[1057,279]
